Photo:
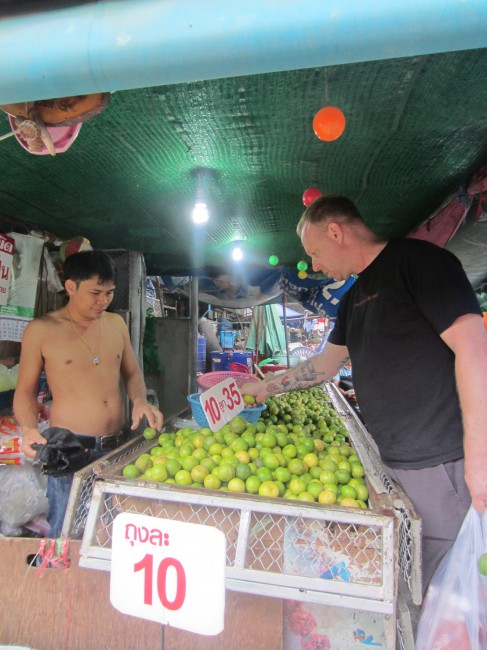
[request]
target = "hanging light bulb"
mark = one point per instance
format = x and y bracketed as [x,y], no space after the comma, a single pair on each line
[200,210]
[237,252]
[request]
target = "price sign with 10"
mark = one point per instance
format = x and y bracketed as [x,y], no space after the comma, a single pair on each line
[169,571]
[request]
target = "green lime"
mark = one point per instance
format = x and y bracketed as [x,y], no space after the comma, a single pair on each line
[315,488]
[282,474]
[212,482]
[131,471]
[327,497]
[342,476]
[348,491]
[237,425]
[189,462]
[149,433]
[183,477]
[158,473]
[236,485]
[252,484]
[269,489]
[362,492]
[264,474]
[173,466]
[225,472]
[199,473]
[482,564]
[243,471]
[306,496]
[296,485]
[271,461]
[357,469]
[143,462]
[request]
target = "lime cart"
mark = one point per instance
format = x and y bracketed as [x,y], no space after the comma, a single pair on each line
[356,559]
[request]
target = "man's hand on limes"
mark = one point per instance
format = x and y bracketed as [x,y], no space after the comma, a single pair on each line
[249,400]
[254,389]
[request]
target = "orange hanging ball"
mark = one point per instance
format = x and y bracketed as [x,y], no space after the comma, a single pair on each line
[329,123]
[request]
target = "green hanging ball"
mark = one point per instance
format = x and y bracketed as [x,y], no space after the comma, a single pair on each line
[302,266]
[273,260]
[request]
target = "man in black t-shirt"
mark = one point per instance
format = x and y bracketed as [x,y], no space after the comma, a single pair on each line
[411,326]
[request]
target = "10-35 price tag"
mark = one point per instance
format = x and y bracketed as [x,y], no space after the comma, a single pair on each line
[221,403]
[169,571]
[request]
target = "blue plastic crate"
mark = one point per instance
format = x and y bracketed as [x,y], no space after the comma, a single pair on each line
[252,415]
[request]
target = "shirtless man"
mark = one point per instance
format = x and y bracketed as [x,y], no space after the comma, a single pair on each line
[84,352]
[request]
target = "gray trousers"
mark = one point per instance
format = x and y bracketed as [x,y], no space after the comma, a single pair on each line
[441,498]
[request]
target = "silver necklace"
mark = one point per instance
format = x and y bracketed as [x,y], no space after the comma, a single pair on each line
[93,351]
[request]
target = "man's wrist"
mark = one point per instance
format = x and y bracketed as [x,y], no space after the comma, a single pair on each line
[139,399]
[28,429]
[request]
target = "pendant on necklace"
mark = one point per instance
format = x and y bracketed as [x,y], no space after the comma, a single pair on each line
[96,361]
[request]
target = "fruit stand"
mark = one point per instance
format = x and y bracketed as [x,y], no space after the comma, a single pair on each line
[338,557]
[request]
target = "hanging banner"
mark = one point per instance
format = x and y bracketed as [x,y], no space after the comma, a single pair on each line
[320,297]
[20,307]
[225,287]
[6,259]
[222,287]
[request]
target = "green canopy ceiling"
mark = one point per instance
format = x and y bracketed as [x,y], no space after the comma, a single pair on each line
[416,129]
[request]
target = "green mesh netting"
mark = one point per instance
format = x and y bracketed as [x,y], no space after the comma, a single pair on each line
[416,129]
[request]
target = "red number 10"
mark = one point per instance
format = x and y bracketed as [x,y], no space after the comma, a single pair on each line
[213,410]
[146,565]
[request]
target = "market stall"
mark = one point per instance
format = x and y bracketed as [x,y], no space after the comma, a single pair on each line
[276,548]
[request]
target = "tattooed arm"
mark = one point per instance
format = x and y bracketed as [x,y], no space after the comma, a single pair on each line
[315,370]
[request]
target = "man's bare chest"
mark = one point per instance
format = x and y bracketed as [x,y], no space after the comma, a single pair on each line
[71,347]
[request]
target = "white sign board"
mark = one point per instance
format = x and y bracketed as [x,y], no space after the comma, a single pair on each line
[169,571]
[20,307]
[221,403]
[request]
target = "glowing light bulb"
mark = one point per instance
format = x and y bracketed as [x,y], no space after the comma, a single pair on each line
[237,253]
[200,212]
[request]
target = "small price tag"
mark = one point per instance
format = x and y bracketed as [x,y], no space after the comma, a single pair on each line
[169,571]
[221,403]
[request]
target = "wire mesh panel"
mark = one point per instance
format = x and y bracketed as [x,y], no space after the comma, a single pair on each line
[409,533]
[273,548]
[404,628]
[410,550]
[82,488]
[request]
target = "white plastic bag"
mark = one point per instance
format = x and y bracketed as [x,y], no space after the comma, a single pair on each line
[454,613]
[22,494]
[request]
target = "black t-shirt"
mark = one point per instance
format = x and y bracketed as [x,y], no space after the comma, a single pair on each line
[403,373]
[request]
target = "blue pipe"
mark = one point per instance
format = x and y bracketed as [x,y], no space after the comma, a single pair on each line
[120,44]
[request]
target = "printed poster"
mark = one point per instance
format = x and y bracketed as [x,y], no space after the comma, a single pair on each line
[21,300]
[6,258]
